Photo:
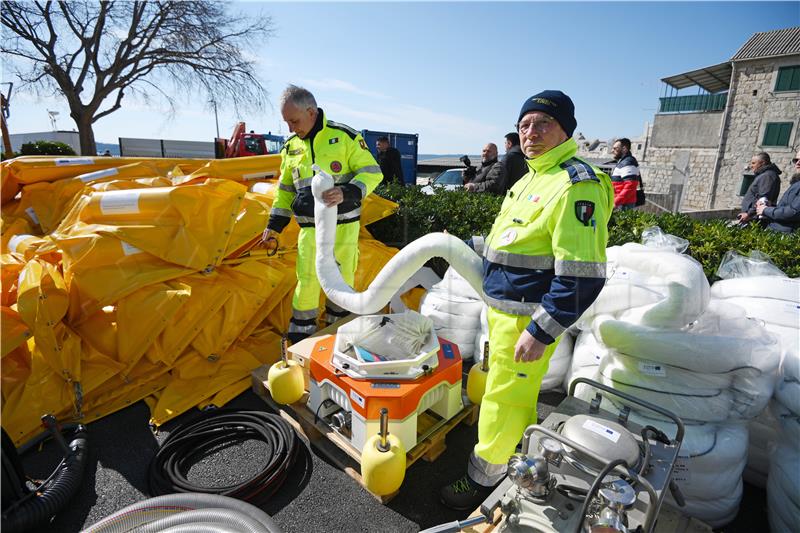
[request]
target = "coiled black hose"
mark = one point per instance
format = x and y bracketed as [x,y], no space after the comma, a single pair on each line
[595,487]
[214,431]
[37,507]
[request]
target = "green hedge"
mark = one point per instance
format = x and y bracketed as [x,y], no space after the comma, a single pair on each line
[46,148]
[465,214]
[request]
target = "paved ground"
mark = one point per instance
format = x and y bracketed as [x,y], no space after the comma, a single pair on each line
[317,498]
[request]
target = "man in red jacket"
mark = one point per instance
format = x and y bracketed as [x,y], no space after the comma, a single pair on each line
[626,176]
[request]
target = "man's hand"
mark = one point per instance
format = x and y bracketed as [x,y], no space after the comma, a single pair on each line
[470,187]
[528,348]
[743,217]
[267,234]
[333,196]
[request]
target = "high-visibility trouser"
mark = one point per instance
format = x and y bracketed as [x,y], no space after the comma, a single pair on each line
[306,294]
[509,403]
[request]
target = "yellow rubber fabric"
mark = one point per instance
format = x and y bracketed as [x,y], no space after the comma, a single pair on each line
[306,294]
[509,404]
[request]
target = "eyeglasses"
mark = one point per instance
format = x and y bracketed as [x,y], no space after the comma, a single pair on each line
[539,126]
[795,160]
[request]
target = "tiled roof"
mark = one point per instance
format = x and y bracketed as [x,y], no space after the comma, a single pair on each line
[770,44]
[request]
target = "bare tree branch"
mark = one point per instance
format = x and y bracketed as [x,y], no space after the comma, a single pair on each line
[91,51]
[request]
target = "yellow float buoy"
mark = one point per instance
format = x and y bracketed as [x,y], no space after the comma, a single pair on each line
[285,379]
[383,460]
[476,380]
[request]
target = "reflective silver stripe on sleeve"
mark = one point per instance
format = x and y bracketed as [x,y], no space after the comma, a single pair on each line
[547,323]
[287,188]
[477,244]
[510,306]
[361,186]
[542,262]
[305,182]
[281,212]
[370,169]
[580,269]
[350,214]
[342,178]
[304,220]
[304,315]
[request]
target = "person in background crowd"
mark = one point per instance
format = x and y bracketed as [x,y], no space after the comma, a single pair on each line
[483,182]
[513,164]
[785,217]
[544,263]
[625,176]
[766,184]
[340,151]
[390,161]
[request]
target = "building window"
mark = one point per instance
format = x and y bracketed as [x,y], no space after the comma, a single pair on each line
[777,134]
[788,79]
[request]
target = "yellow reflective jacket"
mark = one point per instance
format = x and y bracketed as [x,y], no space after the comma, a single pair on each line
[341,152]
[546,253]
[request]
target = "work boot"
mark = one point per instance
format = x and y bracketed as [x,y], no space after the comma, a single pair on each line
[464,494]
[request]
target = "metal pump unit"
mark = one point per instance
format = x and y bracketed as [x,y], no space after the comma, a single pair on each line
[587,469]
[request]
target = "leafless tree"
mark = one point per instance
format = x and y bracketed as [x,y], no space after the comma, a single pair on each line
[95,53]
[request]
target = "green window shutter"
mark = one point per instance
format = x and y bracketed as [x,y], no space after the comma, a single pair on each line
[788,79]
[777,134]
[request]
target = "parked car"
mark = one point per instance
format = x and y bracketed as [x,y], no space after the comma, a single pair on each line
[450,180]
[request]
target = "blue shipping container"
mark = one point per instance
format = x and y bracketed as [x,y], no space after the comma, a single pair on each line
[406,144]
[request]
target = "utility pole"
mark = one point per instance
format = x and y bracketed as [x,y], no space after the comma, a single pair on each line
[216,119]
[4,114]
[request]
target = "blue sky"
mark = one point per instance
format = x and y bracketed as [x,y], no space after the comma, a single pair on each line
[457,73]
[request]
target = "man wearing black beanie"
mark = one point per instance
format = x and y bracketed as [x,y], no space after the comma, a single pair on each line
[544,263]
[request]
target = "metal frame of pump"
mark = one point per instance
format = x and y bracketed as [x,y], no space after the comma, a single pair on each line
[554,476]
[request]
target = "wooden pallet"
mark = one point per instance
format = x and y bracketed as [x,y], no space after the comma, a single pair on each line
[431,432]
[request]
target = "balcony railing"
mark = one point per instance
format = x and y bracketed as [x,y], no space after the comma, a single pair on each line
[693,103]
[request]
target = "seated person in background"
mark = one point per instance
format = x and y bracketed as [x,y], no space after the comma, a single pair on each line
[482,181]
[785,217]
[766,184]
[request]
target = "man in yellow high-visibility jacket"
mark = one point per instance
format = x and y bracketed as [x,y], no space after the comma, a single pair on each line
[340,151]
[544,264]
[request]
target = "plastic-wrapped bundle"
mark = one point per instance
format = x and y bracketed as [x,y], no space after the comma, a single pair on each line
[686,287]
[764,431]
[783,489]
[721,345]
[775,287]
[586,356]
[455,309]
[559,363]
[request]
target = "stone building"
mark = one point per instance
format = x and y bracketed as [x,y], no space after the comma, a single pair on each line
[698,147]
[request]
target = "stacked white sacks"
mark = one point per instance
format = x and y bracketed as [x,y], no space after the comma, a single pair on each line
[653,334]
[455,308]
[775,447]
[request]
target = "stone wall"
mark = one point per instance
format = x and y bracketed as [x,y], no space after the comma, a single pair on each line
[687,130]
[755,104]
[682,175]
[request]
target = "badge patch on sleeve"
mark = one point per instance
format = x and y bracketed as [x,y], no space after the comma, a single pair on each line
[334,140]
[584,210]
[336,166]
[362,144]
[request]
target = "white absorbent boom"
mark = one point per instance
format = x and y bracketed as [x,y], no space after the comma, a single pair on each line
[396,272]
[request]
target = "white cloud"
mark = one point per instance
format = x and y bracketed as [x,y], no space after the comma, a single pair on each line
[333,84]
